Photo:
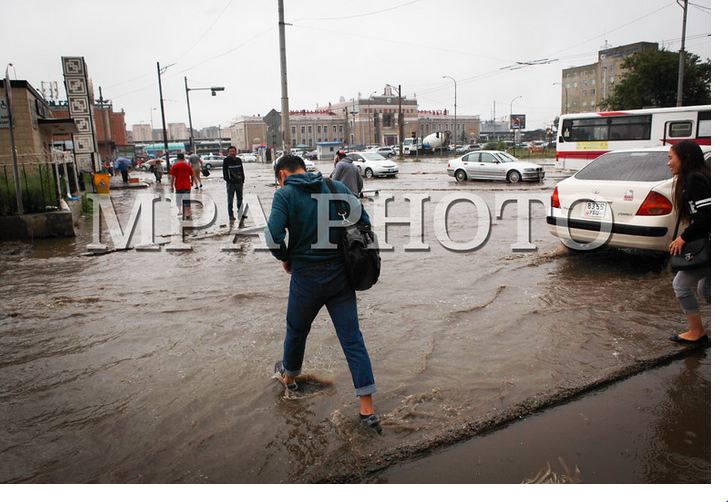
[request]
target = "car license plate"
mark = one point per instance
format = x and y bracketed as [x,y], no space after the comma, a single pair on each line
[596,209]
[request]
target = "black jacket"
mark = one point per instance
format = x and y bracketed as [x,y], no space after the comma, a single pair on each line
[232,170]
[696,197]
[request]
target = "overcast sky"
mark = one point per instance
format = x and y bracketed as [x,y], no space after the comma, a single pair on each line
[335,49]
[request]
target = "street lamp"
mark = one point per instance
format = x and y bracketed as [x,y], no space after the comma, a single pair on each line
[566,96]
[213,91]
[151,121]
[456,106]
[400,119]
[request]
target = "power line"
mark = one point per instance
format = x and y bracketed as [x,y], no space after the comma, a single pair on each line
[337,18]
[206,31]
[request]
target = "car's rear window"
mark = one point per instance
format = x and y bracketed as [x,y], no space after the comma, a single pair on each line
[628,166]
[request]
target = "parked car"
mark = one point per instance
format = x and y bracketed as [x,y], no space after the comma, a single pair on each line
[310,166]
[384,151]
[311,155]
[372,164]
[211,161]
[467,148]
[248,157]
[493,165]
[632,188]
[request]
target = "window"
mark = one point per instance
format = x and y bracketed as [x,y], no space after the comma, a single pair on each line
[704,124]
[310,129]
[633,166]
[318,130]
[630,128]
[681,129]
[488,158]
[293,130]
[387,119]
[326,129]
[633,127]
[472,157]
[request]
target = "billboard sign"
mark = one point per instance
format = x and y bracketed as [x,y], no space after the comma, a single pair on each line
[518,121]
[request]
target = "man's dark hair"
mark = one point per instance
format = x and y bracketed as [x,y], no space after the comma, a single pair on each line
[290,163]
[231,147]
[180,156]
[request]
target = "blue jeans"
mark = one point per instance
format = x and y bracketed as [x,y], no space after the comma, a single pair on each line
[311,288]
[234,190]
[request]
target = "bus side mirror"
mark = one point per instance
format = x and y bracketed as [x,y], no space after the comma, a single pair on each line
[561,139]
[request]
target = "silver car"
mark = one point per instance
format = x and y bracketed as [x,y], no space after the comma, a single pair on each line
[493,165]
[211,161]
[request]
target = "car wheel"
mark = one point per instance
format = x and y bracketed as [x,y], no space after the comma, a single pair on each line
[208,166]
[513,176]
[369,173]
[460,175]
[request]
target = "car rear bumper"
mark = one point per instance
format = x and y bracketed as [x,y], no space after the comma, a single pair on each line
[625,236]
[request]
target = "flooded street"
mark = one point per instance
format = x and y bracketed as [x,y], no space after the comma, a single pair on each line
[142,366]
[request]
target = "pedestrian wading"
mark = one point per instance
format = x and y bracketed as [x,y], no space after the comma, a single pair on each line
[234,176]
[691,193]
[318,278]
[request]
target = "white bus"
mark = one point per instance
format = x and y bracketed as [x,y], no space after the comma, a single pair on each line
[583,137]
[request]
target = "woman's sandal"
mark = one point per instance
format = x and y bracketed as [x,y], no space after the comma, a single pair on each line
[372,422]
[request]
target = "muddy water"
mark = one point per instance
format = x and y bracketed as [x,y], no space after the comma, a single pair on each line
[156,366]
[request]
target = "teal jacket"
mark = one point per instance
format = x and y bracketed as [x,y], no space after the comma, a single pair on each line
[295,210]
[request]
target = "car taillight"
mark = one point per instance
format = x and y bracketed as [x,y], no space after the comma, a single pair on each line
[448,165]
[655,204]
[555,202]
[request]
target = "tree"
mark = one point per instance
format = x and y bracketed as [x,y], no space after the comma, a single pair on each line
[651,81]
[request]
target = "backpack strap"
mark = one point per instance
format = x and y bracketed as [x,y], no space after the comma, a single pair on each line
[339,205]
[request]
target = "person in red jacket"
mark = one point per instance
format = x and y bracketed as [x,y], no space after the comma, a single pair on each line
[181,175]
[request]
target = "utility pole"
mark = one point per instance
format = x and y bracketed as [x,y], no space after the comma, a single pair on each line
[189,117]
[164,121]
[456,106]
[681,64]
[11,128]
[107,121]
[284,78]
[401,122]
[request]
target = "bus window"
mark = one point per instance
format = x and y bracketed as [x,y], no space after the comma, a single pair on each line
[680,129]
[704,124]
[593,129]
[630,128]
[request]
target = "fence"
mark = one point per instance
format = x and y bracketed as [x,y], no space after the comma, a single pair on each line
[37,185]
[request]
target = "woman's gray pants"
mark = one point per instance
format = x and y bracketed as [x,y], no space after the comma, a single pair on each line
[685,283]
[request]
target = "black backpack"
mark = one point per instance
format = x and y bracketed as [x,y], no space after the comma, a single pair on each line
[358,246]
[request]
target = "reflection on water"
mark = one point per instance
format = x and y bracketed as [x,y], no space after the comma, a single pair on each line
[157,366]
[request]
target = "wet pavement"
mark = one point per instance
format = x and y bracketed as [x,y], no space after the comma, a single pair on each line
[156,366]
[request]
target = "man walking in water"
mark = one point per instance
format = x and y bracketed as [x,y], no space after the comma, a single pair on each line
[318,278]
[196,164]
[234,176]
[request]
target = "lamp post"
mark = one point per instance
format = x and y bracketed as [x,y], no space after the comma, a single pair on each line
[161,70]
[510,119]
[400,119]
[213,91]
[456,106]
[151,122]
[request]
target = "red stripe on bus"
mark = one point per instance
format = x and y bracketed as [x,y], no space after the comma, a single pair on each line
[590,154]
[700,141]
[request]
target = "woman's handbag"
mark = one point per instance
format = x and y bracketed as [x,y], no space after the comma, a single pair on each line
[205,172]
[695,254]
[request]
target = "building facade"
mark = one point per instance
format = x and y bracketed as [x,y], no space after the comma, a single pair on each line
[584,87]
[141,132]
[373,120]
[110,127]
[177,131]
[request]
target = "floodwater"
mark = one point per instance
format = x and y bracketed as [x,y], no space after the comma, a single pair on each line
[143,366]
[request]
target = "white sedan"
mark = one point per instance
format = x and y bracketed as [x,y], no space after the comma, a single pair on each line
[627,190]
[372,164]
[248,157]
[493,165]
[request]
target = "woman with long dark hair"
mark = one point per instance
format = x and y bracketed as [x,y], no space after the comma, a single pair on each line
[691,193]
